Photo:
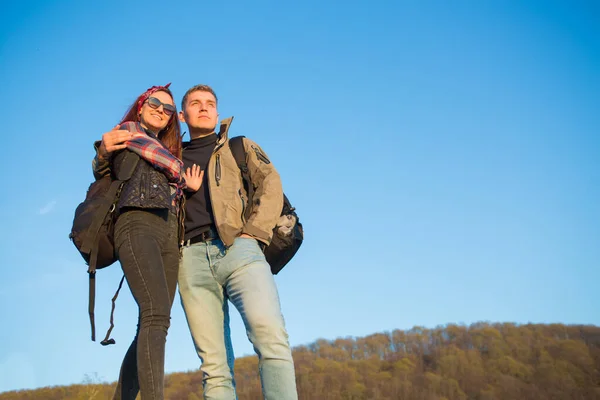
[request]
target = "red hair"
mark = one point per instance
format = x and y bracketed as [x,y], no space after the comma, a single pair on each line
[170,135]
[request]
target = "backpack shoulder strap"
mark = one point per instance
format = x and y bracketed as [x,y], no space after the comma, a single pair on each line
[128,165]
[239,153]
[236,144]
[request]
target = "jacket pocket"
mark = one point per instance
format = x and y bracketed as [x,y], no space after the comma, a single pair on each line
[260,155]
[158,188]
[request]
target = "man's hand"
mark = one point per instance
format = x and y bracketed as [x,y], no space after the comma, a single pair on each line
[193,178]
[245,235]
[112,141]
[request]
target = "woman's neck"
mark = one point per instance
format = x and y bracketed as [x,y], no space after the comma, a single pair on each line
[152,130]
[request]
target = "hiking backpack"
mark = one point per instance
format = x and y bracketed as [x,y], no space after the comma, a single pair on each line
[92,232]
[288,234]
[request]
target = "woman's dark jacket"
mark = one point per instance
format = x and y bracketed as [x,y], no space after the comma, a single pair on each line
[147,187]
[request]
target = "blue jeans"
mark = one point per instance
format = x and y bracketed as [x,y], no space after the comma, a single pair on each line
[209,276]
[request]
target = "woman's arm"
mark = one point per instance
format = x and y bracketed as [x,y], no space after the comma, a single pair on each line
[111,141]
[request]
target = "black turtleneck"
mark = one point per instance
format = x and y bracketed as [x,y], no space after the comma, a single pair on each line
[198,208]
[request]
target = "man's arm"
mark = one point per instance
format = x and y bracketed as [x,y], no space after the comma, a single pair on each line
[268,196]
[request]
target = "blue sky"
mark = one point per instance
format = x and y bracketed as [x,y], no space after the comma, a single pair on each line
[443,158]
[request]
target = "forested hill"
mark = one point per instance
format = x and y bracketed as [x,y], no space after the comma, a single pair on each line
[480,362]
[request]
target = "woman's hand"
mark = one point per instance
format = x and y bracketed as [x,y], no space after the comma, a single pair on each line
[112,141]
[193,178]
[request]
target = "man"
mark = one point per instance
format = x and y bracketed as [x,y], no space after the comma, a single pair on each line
[222,253]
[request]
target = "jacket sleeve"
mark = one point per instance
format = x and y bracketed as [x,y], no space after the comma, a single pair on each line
[268,195]
[100,166]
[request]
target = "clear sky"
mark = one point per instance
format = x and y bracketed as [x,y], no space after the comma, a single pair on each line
[443,158]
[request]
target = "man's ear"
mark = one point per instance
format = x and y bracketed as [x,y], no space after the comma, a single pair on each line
[181,117]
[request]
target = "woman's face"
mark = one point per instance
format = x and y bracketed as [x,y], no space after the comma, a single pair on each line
[156,119]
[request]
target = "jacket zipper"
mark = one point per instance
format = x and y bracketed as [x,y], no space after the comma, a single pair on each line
[218,178]
[218,170]
[261,156]
[243,206]
[181,225]
[142,186]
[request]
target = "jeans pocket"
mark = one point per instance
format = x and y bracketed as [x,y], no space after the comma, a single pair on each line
[247,249]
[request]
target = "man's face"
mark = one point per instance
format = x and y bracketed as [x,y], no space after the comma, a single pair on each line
[200,111]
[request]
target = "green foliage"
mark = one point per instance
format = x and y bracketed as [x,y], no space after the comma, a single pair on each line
[479,362]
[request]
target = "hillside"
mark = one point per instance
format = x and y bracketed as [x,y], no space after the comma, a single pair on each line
[479,362]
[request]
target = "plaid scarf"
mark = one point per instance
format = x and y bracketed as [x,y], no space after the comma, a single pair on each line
[149,148]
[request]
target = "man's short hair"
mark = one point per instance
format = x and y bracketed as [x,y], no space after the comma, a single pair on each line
[197,88]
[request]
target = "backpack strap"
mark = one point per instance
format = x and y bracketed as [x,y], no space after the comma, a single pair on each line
[106,340]
[126,171]
[236,145]
[239,153]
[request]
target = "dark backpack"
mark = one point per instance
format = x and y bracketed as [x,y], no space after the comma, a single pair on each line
[93,230]
[286,240]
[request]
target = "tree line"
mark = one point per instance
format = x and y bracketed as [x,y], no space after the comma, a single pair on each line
[482,361]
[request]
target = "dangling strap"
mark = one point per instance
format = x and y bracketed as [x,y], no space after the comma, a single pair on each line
[92,295]
[91,303]
[91,242]
[106,340]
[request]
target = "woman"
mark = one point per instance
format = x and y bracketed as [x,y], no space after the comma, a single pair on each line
[147,231]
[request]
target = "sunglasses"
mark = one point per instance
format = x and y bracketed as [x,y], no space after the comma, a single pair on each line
[167,108]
